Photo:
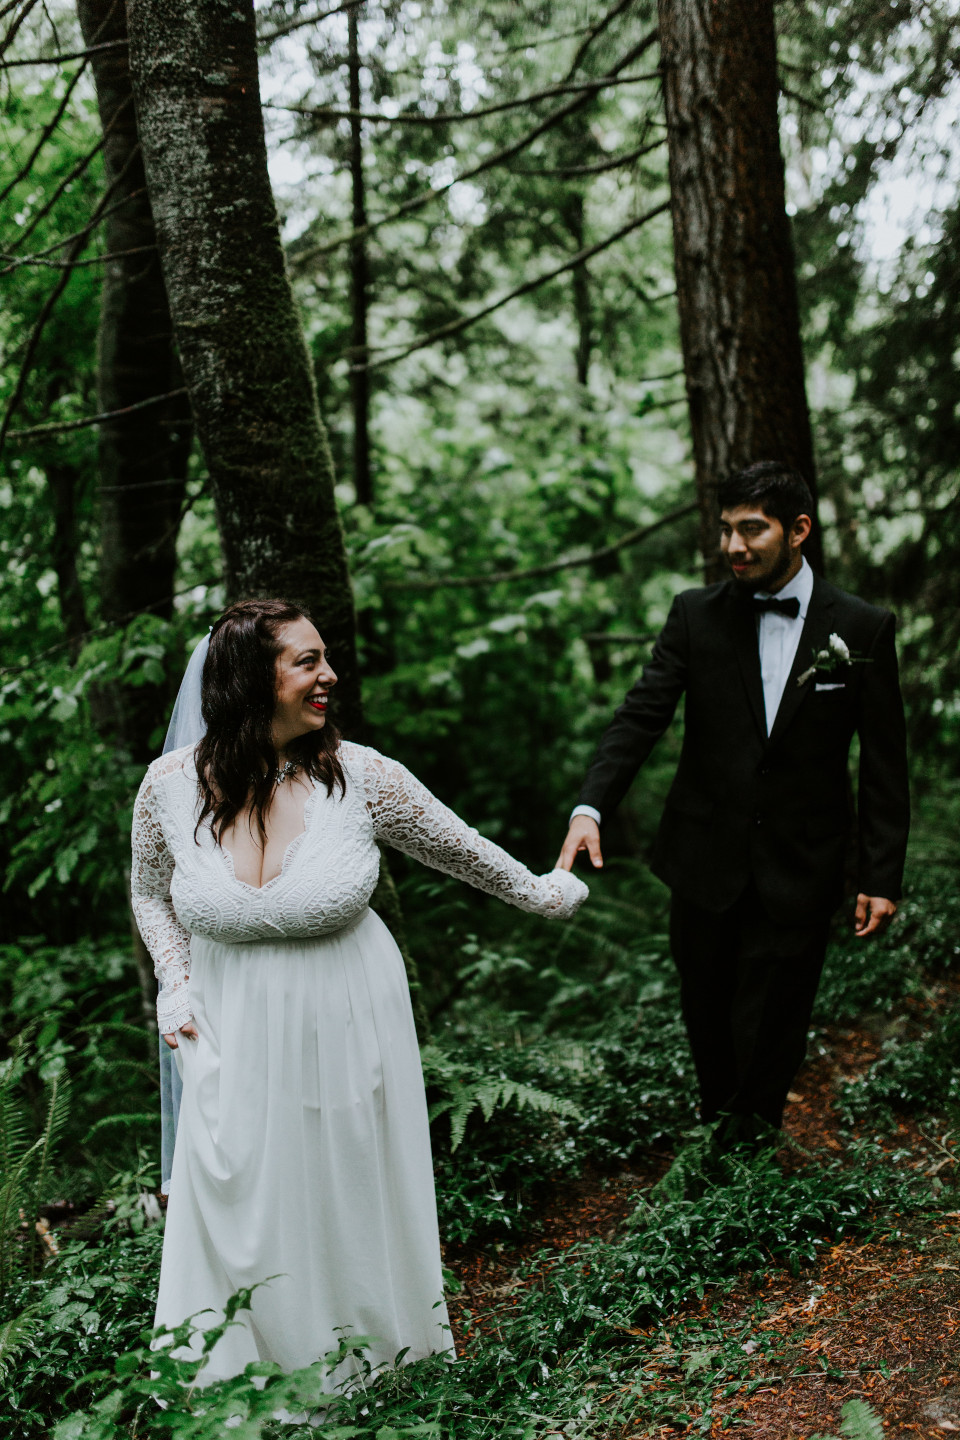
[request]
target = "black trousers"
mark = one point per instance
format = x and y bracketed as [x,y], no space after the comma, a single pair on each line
[747,987]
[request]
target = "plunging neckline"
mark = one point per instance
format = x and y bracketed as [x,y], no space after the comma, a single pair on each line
[289,851]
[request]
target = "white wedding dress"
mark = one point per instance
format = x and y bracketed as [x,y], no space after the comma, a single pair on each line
[302,1161]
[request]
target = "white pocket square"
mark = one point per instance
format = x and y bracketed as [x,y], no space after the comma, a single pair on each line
[831,687]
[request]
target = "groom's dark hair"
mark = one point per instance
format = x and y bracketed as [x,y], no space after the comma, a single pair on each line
[780,491]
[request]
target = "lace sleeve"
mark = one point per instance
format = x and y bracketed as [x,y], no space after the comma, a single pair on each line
[165,938]
[406,816]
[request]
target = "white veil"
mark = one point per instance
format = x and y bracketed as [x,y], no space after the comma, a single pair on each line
[186,728]
[186,722]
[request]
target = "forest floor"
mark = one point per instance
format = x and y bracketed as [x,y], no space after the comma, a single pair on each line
[876,1321]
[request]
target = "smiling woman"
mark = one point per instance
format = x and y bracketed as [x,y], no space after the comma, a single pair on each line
[302,1162]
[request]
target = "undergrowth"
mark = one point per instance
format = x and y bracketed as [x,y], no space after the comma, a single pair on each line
[579,1344]
[545,1062]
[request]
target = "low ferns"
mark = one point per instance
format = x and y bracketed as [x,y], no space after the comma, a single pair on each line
[24,1167]
[467,1088]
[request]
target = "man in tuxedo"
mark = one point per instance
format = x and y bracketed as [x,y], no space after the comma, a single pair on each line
[754,833]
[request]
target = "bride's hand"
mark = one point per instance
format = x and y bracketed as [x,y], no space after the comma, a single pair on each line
[188,1029]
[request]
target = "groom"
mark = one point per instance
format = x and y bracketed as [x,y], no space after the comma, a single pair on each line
[779,670]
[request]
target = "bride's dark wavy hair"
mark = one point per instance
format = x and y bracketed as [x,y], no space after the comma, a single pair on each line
[237,700]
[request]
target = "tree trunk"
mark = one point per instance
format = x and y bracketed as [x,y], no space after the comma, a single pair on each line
[736,286]
[582,309]
[359,379]
[244,358]
[143,457]
[62,483]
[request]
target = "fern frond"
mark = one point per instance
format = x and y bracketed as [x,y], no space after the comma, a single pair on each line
[16,1335]
[859,1422]
[58,1110]
[492,1093]
[145,1117]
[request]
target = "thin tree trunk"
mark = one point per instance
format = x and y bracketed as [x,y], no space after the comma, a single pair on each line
[359,280]
[580,285]
[62,482]
[245,361]
[142,457]
[736,286]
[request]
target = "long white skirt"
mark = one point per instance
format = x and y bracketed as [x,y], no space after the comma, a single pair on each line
[303,1153]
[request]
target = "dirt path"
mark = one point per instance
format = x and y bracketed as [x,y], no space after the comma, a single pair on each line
[876,1321]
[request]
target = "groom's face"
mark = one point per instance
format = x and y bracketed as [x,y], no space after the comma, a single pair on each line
[757,550]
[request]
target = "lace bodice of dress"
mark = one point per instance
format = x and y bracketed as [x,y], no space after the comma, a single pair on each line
[183,886]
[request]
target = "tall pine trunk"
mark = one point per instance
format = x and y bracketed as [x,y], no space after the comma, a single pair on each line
[142,457]
[244,358]
[736,286]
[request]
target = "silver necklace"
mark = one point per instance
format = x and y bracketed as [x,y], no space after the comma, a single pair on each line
[289,767]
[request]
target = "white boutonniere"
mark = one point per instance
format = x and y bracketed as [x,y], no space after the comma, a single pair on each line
[835,653]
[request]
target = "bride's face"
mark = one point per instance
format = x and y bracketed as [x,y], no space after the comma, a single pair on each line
[304,681]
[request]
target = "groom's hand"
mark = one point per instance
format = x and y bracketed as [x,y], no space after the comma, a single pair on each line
[584,834]
[873,914]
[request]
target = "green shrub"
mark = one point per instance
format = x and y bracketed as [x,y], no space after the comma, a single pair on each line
[916,1076]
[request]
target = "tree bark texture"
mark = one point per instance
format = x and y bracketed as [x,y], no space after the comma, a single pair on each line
[359,281]
[142,457]
[63,482]
[736,284]
[244,357]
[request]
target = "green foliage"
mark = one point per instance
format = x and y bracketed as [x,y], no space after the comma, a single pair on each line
[572,1332]
[858,1422]
[468,1090]
[919,1076]
[24,1171]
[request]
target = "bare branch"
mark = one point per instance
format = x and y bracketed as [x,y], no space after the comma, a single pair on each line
[14,26]
[499,158]
[46,310]
[18,260]
[61,59]
[300,24]
[454,117]
[36,431]
[541,41]
[803,100]
[45,134]
[594,33]
[614,163]
[409,207]
[456,326]
[73,174]
[553,567]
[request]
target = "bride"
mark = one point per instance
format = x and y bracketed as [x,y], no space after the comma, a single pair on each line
[302,1155]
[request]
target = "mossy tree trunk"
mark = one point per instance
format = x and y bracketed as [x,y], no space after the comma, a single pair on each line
[242,348]
[244,357]
[736,284]
[143,456]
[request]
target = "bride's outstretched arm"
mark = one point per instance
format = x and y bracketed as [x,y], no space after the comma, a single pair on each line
[165,938]
[406,816]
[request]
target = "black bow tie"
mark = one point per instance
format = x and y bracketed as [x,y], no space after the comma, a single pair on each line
[789,607]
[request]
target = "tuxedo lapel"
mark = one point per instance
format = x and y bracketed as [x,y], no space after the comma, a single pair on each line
[814,636]
[746,642]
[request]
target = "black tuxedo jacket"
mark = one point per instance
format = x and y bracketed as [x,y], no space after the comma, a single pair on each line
[774,809]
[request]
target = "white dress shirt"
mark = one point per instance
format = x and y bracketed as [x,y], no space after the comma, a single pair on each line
[779,636]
